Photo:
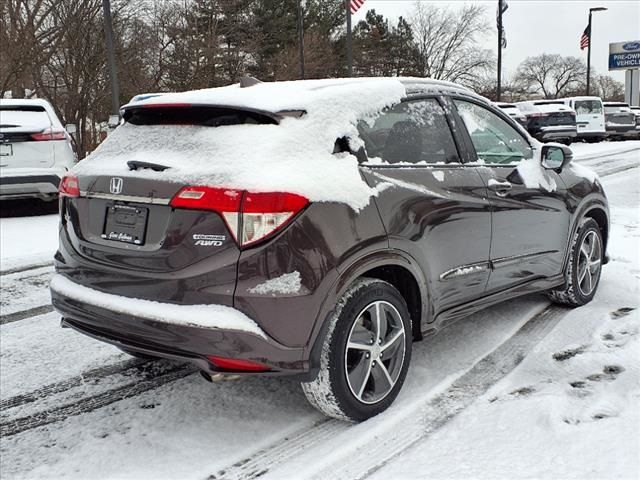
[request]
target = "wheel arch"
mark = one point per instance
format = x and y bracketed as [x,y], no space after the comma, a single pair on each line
[393,266]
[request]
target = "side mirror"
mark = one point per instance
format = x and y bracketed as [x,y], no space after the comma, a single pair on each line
[71,128]
[114,121]
[555,157]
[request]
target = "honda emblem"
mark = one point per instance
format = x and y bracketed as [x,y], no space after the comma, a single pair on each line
[115,186]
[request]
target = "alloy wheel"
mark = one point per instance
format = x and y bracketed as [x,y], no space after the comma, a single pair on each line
[375,352]
[589,263]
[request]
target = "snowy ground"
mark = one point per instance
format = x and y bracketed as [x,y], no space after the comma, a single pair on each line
[521,390]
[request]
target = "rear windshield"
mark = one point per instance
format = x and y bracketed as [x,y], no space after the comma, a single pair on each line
[24,116]
[617,109]
[202,116]
[588,106]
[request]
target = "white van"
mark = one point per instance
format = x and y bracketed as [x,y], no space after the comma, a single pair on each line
[589,117]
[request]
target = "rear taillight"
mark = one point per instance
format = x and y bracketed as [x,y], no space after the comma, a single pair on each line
[237,365]
[250,217]
[49,134]
[69,186]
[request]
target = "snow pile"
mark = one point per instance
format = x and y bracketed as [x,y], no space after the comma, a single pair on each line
[201,316]
[295,156]
[287,284]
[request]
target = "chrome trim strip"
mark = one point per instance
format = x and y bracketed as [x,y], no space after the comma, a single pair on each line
[464,270]
[126,198]
[507,261]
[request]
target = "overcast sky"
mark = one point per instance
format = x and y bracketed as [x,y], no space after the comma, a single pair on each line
[543,26]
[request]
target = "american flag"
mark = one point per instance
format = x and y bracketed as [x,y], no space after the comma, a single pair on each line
[585,38]
[354,5]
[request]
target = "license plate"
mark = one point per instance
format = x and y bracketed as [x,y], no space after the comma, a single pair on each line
[126,224]
[6,150]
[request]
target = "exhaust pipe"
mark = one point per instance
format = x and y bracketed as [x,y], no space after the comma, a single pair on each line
[219,377]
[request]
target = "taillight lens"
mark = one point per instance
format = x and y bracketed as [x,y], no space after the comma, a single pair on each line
[257,215]
[49,134]
[69,186]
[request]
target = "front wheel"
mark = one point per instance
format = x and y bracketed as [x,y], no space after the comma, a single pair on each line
[584,267]
[366,353]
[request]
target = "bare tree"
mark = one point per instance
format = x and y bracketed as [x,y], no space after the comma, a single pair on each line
[551,75]
[608,88]
[448,41]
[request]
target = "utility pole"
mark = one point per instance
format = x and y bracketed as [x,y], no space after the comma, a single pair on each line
[349,40]
[301,37]
[499,88]
[111,58]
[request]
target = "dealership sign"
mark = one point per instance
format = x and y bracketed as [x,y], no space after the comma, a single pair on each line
[624,55]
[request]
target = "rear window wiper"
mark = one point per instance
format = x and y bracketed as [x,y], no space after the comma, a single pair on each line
[135,165]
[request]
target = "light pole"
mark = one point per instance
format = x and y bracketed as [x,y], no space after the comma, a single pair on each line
[591,10]
[111,58]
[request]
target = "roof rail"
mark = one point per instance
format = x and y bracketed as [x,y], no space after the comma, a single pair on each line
[248,81]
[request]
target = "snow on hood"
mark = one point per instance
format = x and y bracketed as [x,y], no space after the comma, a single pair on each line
[295,156]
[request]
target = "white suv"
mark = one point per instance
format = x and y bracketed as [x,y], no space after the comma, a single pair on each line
[35,150]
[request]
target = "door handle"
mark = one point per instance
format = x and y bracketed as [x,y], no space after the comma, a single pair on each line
[500,187]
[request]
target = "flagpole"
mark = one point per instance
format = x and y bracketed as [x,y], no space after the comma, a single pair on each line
[349,41]
[301,37]
[589,56]
[498,90]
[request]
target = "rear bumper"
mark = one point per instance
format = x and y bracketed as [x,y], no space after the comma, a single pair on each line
[598,135]
[620,129]
[182,342]
[29,186]
[551,133]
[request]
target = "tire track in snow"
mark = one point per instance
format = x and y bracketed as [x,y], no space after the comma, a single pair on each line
[424,418]
[25,268]
[24,314]
[370,456]
[87,404]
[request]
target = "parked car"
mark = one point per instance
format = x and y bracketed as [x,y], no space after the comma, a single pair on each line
[35,150]
[589,117]
[620,120]
[513,111]
[549,120]
[215,228]
[636,112]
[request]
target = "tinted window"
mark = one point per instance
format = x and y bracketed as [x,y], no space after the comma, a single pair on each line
[410,132]
[588,106]
[494,139]
[193,115]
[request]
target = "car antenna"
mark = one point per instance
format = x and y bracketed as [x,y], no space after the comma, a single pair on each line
[248,81]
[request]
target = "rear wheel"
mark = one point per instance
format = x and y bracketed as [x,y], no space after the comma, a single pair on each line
[366,354]
[584,267]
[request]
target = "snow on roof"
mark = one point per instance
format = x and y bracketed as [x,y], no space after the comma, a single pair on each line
[295,156]
[12,102]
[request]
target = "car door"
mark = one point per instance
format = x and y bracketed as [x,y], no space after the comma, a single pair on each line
[530,224]
[432,207]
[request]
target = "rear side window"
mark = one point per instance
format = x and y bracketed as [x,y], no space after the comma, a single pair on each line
[194,115]
[587,106]
[495,141]
[15,116]
[412,132]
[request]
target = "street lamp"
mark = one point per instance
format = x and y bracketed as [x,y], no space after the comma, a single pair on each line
[591,10]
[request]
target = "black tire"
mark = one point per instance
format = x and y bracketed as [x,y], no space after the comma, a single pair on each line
[332,391]
[574,292]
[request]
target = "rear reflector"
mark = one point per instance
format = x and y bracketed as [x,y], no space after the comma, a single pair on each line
[237,365]
[258,215]
[49,134]
[69,186]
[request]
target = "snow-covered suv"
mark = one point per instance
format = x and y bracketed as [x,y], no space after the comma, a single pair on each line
[35,150]
[317,229]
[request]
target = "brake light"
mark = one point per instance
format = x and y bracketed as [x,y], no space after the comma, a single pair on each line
[49,134]
[237,365]
[251,217]
[69,186]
